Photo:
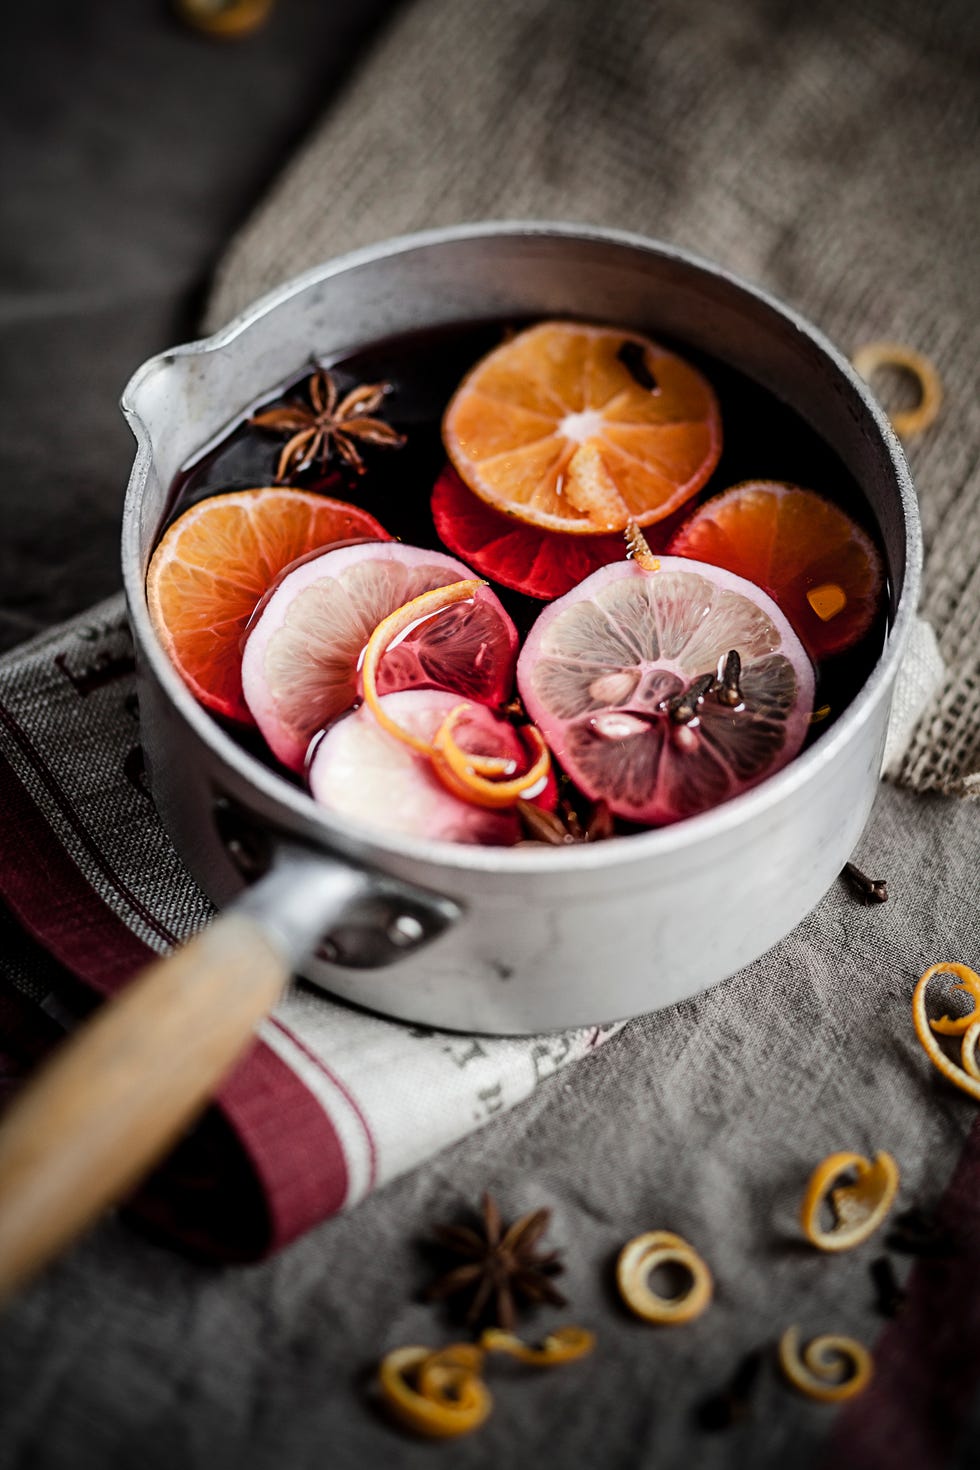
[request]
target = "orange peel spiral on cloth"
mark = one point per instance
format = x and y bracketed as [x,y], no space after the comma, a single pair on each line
[815,1370]
[859,1207]
[641,1256]
[563,1345]
[908,422]
[438,1394]
[966,1076]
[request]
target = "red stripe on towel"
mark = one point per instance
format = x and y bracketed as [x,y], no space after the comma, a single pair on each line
[287,1139]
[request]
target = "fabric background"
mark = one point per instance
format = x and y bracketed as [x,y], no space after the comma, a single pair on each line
[827,151]
[705,1118]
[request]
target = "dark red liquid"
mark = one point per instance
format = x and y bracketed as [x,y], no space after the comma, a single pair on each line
[762,439]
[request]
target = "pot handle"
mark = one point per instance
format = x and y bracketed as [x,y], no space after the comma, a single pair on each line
[112,1100]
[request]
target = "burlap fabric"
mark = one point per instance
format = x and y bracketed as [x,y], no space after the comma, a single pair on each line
[828,151]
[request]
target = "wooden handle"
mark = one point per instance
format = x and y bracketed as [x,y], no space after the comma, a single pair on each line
[115,1097]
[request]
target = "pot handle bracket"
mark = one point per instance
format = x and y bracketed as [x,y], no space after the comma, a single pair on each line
[115,1097]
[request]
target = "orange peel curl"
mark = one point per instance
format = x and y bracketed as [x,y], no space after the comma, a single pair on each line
[563,1345]
[907,423]
[814,1370]
[967,1076]
[426,605]
[859,1208]
[969,982]
[641,1256]
[437,1394]
[460,772]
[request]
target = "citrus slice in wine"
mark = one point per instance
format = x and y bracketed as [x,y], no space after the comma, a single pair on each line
[301,660]
[215,563]
[631,681]
[541,564]
[814,561]
[360,771]
[581,429]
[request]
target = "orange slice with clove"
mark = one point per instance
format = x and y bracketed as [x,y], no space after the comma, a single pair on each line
[581,429]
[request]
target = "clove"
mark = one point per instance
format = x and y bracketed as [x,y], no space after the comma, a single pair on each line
[633,358]
[683,708]
[916,1233]
[870,890]
[889,1296]
[541,826]
[726,1408]
[727,687]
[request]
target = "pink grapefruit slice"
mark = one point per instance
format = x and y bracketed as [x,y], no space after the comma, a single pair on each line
[301,660]
[623,676]
[360,771]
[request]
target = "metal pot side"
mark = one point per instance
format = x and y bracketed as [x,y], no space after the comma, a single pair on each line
[546,939]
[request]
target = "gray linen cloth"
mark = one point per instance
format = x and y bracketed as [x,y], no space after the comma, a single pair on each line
[829,151]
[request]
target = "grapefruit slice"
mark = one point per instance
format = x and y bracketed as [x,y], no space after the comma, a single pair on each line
[215,563]
[581,429]
[813,560]
[542,564]
[629,678]
[301,660]
[360,771]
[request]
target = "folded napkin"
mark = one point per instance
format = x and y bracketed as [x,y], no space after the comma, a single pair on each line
[329,1102]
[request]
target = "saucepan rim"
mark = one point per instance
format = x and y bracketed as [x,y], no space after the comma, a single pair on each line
[375,849]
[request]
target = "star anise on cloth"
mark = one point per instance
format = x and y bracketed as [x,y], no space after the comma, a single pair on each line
[502,1268]
[329,425]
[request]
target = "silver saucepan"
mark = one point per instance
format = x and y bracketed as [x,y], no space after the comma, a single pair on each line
[485,939]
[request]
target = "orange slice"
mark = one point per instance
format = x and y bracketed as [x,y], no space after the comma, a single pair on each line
[218,560]
[817,565]
[582,429]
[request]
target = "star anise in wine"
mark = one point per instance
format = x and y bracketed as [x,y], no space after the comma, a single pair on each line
[501,1268]
[329,425]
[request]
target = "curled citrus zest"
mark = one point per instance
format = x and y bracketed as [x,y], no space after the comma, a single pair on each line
[961,1077]
[969,982]
[912,421]
[641,1256]
[815,1371]
[563,1345]
[424,606]
[638,548]
[968,1050]
[859,1208]
[459,771]
[437,1394]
